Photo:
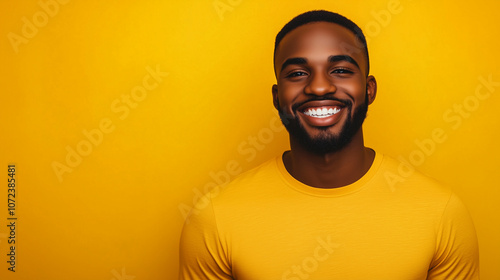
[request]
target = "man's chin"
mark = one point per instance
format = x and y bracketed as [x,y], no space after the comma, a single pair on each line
[324,139]
[319,140]
[321,135]
[325,144]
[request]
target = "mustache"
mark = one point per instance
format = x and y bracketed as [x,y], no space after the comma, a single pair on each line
[345,102]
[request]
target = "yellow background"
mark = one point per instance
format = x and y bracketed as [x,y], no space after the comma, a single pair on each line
[119,212]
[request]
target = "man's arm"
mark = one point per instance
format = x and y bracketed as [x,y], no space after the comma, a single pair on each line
[201,253]
[457,254]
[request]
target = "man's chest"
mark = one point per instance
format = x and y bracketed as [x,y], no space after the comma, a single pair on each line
[331,247]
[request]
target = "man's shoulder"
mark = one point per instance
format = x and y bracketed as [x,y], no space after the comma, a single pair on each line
[400,175]
[266,173]
[236,194]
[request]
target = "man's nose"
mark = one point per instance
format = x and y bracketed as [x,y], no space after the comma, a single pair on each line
[320,85]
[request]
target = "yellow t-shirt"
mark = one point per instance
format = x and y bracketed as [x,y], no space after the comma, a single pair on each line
[393,223]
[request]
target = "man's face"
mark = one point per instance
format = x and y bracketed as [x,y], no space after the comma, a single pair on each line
[323,90]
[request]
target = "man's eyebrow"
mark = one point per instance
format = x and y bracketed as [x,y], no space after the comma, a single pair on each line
[293,60]
[336,58]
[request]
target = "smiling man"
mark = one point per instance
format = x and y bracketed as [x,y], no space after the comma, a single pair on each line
[328,209]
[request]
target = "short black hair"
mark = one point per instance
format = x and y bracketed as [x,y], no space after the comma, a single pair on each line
[326,16]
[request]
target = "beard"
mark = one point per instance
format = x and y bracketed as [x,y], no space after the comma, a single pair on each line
[325,142]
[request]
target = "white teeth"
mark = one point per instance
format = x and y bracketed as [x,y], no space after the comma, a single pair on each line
[321,112]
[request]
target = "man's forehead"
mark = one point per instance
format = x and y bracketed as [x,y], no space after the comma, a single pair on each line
[320,36]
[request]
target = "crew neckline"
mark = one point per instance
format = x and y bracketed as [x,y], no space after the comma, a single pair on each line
[340,191]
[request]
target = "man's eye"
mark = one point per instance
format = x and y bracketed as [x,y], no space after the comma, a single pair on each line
[296,74]
[341,71]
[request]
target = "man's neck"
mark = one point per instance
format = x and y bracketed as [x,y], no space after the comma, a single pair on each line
[330,170]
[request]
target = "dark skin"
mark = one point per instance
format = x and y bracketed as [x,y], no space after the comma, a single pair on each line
[329,63]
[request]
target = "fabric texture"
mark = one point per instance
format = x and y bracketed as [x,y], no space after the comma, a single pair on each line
[393,223]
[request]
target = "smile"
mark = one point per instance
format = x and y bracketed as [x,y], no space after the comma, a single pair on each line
[321,112]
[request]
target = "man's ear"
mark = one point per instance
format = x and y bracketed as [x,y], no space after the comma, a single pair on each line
[371,88]
[275,97]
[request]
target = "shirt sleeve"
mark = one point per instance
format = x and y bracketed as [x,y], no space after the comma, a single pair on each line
[457,253]
[201,254]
